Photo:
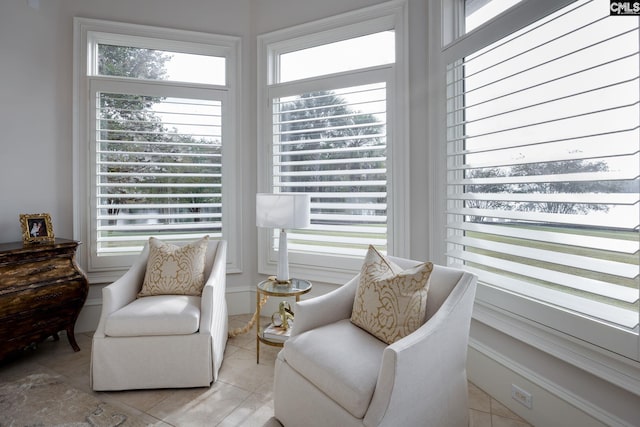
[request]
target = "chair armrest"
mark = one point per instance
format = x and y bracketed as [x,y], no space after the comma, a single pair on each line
[430,361]
[324,309]
[124,290]
[214,291]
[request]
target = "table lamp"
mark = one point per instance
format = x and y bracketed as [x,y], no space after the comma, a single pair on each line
[282,210]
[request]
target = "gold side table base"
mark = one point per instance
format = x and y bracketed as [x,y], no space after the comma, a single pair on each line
[265,289]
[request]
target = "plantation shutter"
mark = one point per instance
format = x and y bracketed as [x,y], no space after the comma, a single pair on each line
[158,169]
[542,156]
[332,145]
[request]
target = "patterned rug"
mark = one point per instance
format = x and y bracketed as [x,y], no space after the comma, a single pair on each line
[46,400]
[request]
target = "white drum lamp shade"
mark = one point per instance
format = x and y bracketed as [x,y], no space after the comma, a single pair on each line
[282,211]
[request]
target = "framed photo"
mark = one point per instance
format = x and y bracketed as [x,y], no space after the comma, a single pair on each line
[36,228]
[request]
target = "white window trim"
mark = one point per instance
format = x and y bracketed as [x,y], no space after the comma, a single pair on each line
[147,36]
[390,15]
[601,362]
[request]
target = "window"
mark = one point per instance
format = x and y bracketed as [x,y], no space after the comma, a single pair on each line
[477,12]
[157,141]
[543,196]
[329,131]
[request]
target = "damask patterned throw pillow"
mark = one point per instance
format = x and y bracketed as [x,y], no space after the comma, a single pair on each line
[174,270]
[390,303]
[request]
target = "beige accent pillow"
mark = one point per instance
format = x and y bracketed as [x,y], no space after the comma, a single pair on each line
[175,270]
[390,303]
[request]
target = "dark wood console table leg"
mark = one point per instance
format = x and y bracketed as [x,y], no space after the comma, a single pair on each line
[72,338]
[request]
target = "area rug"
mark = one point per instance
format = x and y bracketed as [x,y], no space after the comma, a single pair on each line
[46,400]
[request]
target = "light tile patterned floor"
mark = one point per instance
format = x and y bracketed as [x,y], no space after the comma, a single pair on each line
[485,411]
[241,397]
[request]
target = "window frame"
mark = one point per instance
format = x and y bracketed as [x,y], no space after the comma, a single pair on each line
[87,34]
[494,307]
[391,15]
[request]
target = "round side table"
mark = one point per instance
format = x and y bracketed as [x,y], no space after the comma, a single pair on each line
[271,288]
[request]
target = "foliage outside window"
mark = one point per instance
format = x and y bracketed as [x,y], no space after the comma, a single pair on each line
[159,126]
[155,180]
[328,133]
[327,146]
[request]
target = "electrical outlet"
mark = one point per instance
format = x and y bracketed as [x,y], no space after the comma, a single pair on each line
[521,396]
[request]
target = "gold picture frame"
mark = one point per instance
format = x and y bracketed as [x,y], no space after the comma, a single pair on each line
[36,228]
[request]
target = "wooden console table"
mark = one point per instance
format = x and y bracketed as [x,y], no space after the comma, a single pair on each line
[42,290]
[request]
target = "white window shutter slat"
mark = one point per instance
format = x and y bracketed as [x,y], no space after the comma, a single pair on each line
[543,143]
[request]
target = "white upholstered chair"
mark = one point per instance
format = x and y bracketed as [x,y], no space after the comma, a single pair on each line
[332,373]
[162,341]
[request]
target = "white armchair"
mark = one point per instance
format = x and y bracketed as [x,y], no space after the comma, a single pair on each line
[162,341]
[332,373]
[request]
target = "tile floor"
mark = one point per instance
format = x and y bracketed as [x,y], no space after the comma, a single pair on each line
[241,397]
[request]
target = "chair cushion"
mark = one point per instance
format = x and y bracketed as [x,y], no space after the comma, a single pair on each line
[341,360]
[390,303]
[156,315]
[175,270]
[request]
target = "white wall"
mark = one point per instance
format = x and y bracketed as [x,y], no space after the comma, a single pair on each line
[36,171]
[35,116]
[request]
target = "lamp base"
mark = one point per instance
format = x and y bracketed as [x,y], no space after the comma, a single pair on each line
[283,259]
[279,282]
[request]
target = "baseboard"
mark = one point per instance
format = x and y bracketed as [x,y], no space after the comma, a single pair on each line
[239,301]
[89,315]
[552,404]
